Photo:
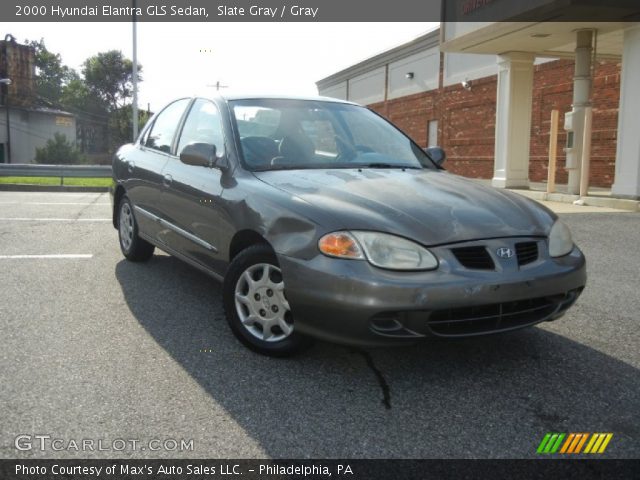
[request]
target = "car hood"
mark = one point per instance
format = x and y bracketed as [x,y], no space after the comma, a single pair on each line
[431,207]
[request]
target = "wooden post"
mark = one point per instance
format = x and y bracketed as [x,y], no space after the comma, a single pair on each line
[553,152]
[586,153]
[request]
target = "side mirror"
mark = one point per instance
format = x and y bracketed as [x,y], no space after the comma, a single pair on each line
[199,154]
[436,154]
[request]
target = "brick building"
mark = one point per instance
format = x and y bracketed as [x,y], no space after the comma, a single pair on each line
[439,95]
[466,121]
[25,125]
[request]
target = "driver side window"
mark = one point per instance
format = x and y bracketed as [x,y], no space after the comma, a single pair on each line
[160,136]
[203,126]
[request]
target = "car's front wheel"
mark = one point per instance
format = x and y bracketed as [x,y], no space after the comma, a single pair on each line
[133,247]
[256,305]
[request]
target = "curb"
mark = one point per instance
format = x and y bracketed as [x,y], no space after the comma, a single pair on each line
[607,202]
[19,187]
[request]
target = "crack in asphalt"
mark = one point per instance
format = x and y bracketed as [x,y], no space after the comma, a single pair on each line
[384,386]
[89,205]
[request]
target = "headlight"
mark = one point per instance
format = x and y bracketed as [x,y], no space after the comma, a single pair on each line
[380,249]
[560,242]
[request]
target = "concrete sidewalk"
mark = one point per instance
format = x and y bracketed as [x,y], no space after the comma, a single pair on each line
[561,201]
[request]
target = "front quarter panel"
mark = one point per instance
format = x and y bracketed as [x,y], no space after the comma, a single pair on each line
[280,218]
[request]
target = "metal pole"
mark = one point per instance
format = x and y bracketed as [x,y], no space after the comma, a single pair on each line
[582,84]
[586,153]
[553,152]
[6,96]
[6,106]
[135,74]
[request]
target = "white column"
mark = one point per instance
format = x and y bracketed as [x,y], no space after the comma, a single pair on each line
[513,120]
[627,180]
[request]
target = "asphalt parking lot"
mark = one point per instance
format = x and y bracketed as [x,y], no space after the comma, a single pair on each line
[94,347]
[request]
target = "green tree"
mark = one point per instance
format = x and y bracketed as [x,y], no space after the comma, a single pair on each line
[109,76]
[121,124]
[51,76]
[78,98]
[58,151]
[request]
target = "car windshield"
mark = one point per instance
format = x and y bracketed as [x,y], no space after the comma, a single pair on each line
[304,134]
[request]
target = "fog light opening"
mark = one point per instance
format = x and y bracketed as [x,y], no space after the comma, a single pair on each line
[386,324]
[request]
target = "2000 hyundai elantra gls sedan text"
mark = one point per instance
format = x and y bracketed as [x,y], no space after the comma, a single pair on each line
[324,220]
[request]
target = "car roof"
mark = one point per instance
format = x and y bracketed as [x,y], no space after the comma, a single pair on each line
[256,96]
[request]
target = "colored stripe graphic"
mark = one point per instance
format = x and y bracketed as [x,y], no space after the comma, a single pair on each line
[594,437]
[607,439]
[543,443]
[581,444]
[556,446]
[551,443]
[574,443]
[598,443]
[567,444]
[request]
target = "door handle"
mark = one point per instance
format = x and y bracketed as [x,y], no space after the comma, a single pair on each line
[130,166]
[167,180]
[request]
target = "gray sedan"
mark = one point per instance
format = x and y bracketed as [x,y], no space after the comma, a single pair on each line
[325,221]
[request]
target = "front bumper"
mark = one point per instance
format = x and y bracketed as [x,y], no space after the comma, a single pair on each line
[352,302]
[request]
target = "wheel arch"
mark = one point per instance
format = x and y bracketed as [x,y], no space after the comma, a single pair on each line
[117,196]
[244,239]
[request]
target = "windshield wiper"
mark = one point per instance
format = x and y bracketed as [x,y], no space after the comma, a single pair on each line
[386,165]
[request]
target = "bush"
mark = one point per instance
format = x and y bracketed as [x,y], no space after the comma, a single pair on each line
[59,151]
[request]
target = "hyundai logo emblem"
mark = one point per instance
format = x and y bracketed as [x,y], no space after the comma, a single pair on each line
[504,252]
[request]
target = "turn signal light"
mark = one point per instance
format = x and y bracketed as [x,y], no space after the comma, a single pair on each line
[340,244]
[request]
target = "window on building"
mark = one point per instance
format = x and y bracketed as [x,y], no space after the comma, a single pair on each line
[432,133]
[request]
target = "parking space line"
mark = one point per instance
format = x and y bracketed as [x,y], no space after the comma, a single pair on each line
[55,256]
[25,219]
[53,203]
[48,194]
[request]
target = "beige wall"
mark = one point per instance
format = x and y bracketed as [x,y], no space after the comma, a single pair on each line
[425,67]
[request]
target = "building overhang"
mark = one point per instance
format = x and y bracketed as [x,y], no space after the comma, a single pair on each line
[543,39]
[545,28]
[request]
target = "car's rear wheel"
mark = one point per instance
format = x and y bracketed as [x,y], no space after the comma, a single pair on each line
[133,247]
[256,305]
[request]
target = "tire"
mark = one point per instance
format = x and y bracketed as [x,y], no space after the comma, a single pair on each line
[133,247]
[256,306]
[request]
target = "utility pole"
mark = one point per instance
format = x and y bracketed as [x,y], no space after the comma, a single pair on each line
[6,82]
[218,86]
[135,74]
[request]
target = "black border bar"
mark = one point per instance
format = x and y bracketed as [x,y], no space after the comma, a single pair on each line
[172,469]
[320,10]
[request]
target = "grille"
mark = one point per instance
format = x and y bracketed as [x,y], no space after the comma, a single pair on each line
[527,252]
[496,317]
[476,258]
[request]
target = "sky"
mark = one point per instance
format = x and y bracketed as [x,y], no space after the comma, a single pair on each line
[183,59]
